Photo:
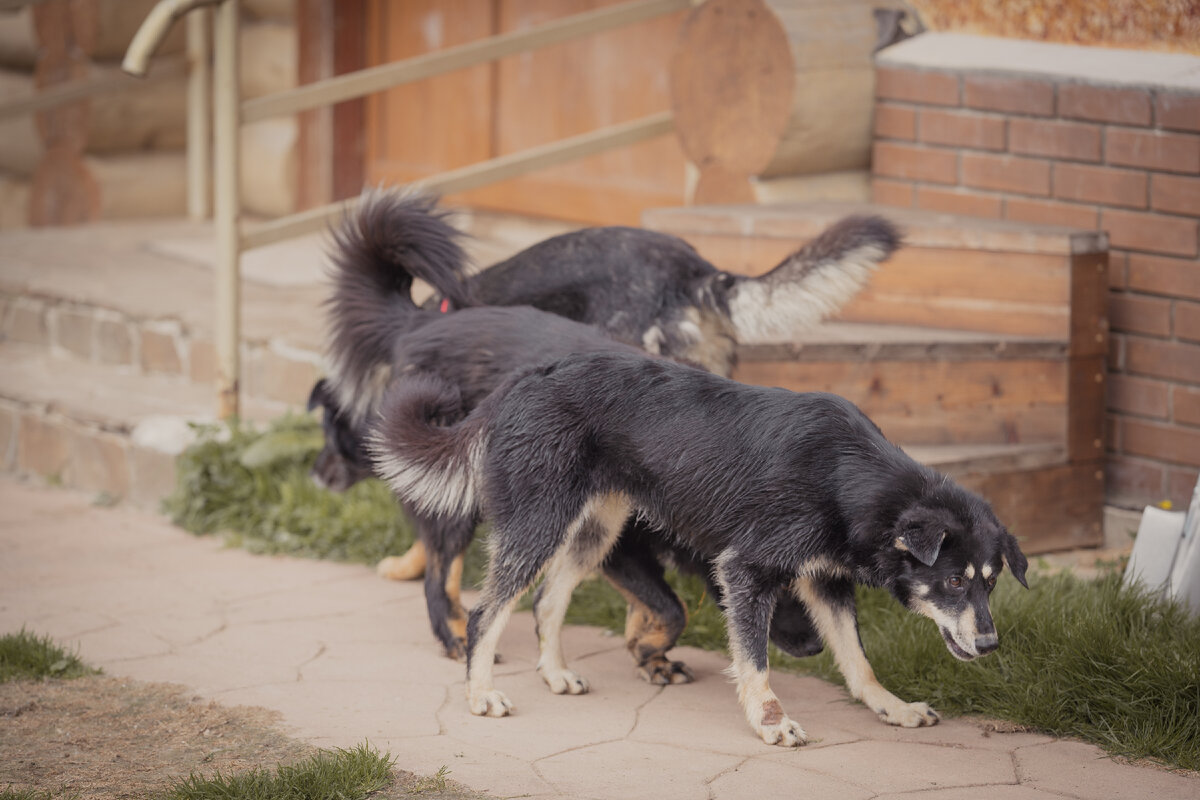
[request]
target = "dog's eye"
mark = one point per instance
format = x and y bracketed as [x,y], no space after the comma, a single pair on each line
[955,581]
[991,583]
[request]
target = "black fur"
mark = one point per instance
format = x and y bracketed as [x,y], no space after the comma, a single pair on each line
[780,491]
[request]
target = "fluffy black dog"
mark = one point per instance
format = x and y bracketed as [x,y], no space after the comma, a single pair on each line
[784,493]
[378,336]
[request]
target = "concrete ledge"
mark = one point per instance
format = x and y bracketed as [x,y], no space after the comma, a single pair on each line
[1095,65]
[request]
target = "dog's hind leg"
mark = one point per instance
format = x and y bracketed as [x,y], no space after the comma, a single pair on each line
[655,616]
[749,601]
[446,539]
[590,538]
[407,567]
[830,601]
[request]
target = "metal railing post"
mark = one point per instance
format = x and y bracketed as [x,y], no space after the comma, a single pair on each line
[199,116]
[227,160]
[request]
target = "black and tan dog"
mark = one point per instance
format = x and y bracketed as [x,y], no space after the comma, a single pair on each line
[783,492]
[379,336]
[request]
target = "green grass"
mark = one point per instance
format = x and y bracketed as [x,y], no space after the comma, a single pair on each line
[341,774]
[11,793]
[1089,659]
[27,656]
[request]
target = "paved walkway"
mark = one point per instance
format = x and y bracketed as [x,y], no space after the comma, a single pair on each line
[345,657]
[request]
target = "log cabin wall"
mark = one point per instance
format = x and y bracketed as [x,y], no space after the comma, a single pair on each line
[525,100]
[121,155]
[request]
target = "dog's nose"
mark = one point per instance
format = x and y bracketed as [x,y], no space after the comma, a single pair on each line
[986,644]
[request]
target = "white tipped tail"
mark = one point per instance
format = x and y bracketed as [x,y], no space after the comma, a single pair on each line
[814,282]
[432,467]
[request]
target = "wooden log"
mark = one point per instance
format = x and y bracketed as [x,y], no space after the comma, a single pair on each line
[62,191]
[148,115]
[270,171]
[20,143]
[14,202]
[269,55]
[124,192]
[104,28]
[18,40]
[775,87]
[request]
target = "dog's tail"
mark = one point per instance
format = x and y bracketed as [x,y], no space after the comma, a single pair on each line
[813,282]
[426,450]
[390,239]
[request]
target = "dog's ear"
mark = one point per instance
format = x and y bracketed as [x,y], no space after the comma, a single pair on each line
[1014,557]
[318,395]
[920,532]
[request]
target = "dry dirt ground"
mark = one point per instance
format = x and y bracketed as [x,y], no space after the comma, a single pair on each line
[103,738]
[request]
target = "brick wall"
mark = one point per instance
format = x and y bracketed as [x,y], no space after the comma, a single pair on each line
[1122,159]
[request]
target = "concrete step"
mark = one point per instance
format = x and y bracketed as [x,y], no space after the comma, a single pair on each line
[98,427]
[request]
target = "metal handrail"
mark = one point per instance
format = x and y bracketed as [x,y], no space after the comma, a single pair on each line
[229,113]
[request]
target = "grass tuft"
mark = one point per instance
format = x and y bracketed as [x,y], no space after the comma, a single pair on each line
[27,656]
[342,774]
[1090,659]
[13,793]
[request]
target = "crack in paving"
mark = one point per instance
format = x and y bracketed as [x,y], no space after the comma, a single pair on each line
[321,650]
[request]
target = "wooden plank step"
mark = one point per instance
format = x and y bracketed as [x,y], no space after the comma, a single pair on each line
[961,460]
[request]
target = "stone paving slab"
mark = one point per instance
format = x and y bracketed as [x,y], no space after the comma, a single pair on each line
[345,656]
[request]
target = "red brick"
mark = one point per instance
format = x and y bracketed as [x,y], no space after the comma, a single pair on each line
[1175,193]
[1185,400]
[1140,396]
[962,129]
[1156,358]
[1118,269]
[1006,173]
[1139,313]
[1113,187]
[1187,322]
[1174,443]
[916,163]
[1014,95]
[1170,152]
[1044,137]
[1048,212]
[1116,353]
[1133,481]
[1154,232]
[1181,481]
[1178,111]
[958,201]
[892,193]
[1179,277]
[1104,104]
[916,86]
[894,122]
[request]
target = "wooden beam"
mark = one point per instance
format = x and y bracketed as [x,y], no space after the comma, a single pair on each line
[385,76]
[469,177]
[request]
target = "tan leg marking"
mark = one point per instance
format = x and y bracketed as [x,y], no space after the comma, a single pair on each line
[483,698]
[407,567]
[458,615]
[648,640]
[837,628]
[763,710]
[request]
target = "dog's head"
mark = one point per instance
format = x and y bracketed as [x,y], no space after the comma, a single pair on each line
[951,551]
[343,461]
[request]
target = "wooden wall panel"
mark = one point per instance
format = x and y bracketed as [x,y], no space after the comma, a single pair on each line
[526,100]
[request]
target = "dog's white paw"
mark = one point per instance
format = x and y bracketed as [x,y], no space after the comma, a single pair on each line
[564,681]
[910,715]
[490,703]
[786,733]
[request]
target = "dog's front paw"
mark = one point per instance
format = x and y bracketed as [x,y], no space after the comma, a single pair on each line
[662,672]
[489,703]
[910,715]
[785,733]
[564,681]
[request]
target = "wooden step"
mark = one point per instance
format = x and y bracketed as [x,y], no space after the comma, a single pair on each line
[980,347]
